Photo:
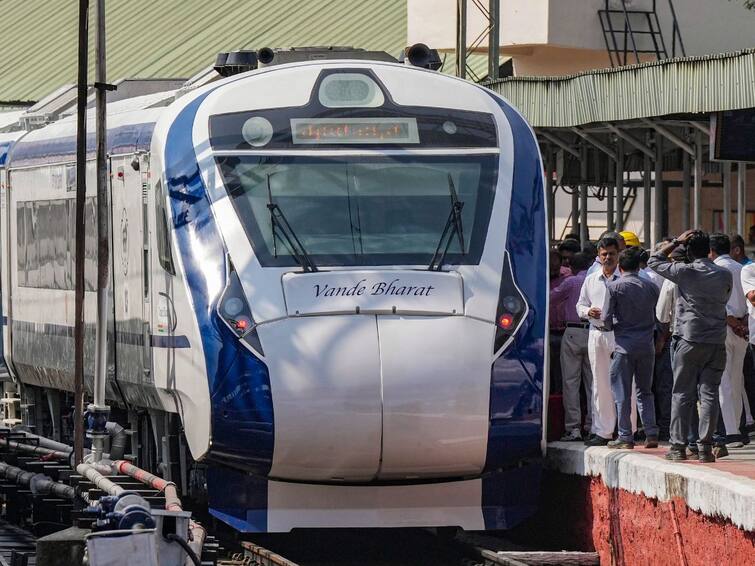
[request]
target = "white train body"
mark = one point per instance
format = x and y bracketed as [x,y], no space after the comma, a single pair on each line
[340,384]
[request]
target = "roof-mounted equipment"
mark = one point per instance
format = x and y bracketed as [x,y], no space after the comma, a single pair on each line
[420,55]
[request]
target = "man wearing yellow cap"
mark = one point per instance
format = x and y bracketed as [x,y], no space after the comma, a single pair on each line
[630,238]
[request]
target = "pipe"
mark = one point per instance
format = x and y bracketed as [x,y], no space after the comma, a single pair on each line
[197,535]
[40,484]
[45,442]
[172,501]
[100,481]
[118,440]
[39,450]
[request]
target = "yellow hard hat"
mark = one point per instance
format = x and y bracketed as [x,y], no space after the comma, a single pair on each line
[630,238]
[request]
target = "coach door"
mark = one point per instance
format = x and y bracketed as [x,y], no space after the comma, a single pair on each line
[131,288]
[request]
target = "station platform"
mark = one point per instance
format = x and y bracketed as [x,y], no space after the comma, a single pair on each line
[635,507]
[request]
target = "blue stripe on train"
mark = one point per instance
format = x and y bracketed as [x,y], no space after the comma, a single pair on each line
[123,139]
[241,401]
[517,377]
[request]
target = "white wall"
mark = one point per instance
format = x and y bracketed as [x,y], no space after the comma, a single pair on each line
[434,22]
[707,26]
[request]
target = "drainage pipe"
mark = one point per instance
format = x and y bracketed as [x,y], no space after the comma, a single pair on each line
[40,484]
[172,501]
[102,483]
[46,442]
[39,450]
[197,534]
[118,440]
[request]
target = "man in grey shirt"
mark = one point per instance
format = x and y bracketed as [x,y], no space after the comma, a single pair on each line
[700,355]
[630,311]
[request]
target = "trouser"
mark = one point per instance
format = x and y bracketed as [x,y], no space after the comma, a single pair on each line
[554,349]
[732,383]
[697,368]
[749,386]
[575,370]
[600,346]
[625,366]
[663,383]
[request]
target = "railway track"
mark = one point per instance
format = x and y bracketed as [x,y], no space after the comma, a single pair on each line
[395,547]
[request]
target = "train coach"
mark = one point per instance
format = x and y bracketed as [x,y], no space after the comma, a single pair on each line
[329,275]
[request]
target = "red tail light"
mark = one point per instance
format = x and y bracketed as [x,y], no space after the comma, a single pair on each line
[506,321]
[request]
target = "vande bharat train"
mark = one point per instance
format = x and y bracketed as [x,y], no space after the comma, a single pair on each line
[330,275]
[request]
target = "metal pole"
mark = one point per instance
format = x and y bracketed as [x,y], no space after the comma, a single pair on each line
[494,37]
[81,190]
[619,185]
[686,195]
[584,233]
[103,237]
[549,191]
[741,198]
[698,188]
[658,187]
[461,39]
[647,201]
[726,181]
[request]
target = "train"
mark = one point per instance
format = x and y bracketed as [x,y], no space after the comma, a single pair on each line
[327,292]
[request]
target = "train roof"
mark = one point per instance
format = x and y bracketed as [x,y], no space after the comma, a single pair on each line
[6,143]
[130,126]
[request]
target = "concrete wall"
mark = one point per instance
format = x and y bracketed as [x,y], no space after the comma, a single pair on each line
[529,26]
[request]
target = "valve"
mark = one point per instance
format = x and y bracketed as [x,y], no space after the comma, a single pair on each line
[127,511]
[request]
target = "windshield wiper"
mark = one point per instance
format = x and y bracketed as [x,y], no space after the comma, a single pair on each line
[453,226]
[281,228]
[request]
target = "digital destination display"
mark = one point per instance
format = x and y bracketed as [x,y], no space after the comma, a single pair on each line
[354,130]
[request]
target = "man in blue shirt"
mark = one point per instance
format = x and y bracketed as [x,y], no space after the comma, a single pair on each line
[630,310]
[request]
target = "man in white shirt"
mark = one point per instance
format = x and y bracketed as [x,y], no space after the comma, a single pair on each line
[732,381]
[597,264]
[748,288]
[600,343]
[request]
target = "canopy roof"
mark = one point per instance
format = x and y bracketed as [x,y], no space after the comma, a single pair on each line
[674,86]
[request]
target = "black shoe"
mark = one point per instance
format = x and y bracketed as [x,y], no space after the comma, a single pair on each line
[619,444]
[676,454]
[693,450]
[706,456]
[719,451]
[651,442]
[596,440]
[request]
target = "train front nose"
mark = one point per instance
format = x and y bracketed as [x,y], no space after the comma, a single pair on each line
[370,388]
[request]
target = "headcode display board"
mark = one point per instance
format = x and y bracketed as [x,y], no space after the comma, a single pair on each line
[733,134]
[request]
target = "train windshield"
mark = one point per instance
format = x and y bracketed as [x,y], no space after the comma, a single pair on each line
[360,211]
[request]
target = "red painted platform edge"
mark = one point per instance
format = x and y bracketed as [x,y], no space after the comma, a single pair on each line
[582,513]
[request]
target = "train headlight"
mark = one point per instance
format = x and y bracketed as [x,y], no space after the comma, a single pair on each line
[257,131]
[344,90]
[512,307]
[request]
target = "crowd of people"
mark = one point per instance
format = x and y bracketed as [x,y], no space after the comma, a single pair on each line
[667,334]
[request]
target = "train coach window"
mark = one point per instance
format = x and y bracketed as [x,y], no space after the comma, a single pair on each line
[21,243]
[46,244]
[164,254]
[362,210]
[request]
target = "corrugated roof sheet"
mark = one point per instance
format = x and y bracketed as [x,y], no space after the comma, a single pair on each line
[177,38]
[673,86]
